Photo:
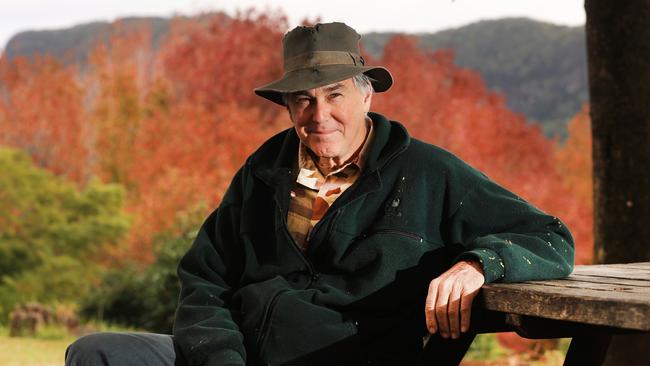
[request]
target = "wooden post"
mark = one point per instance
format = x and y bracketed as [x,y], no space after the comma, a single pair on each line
[618,48]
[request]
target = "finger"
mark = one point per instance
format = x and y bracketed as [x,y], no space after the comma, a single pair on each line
[430,307]
[441,309]
[453,311]
[466,310]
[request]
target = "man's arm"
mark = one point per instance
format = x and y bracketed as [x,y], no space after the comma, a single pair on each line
[204,328]
[505,239]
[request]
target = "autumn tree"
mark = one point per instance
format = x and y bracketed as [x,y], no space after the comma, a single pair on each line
[118,77]
[574,163]
[41,112]
[201,117]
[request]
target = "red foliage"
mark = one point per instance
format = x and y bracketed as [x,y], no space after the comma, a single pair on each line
[41,112]
[574,163]
[202,119]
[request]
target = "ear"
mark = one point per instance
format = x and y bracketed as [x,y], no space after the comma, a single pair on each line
[367,101]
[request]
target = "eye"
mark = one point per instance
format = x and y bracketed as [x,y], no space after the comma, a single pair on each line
[301,100]
[335,95]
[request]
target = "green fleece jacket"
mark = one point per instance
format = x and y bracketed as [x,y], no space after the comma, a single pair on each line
[250,296]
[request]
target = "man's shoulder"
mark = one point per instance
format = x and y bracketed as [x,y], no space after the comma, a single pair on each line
[426,158]
[436,157]
[275,147]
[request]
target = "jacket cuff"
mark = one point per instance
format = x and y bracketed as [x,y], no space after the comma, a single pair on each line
[226,357]
[493,267]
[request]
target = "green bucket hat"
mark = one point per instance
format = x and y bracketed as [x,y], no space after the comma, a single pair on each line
[321,55]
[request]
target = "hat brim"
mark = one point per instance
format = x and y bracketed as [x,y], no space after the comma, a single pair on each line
[309,78]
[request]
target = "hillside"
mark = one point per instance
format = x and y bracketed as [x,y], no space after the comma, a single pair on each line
[72,45]
[540,67]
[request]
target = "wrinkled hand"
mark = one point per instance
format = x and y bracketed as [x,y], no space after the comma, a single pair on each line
[449,301]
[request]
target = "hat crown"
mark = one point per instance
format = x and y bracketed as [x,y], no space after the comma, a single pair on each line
[320,55]
[321,37]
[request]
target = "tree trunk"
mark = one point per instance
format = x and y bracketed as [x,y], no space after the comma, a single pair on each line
[618,47]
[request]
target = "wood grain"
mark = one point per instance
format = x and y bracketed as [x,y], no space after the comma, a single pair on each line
[609,295]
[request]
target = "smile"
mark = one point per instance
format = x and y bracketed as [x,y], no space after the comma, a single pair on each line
[322,132]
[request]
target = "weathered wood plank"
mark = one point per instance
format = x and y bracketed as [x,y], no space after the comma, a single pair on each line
[596,286]
[614,272]
[616,311]
[613,281]
[629,276]
[606,295]
[637,265]
[641,274]
[588,293]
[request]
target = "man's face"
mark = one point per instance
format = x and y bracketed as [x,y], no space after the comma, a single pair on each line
[330,120]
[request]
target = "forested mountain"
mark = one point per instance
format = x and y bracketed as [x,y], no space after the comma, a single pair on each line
[539,67]
[72,45]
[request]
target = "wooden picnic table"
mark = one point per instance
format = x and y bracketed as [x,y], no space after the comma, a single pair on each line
[590,306]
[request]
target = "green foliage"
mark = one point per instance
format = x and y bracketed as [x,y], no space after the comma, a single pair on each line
[52,332]
[50,231]
[145,298]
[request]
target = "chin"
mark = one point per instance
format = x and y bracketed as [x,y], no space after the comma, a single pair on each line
[324,152]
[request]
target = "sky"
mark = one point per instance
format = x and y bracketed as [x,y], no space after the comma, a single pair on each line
[408,16]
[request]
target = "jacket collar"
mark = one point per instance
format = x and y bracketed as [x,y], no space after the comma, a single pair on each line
[275,161]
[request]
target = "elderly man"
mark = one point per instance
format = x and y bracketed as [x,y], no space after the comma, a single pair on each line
[344,241]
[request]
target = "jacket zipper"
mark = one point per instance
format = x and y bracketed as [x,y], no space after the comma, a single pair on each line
[333,223]
[308,263]
[329,233]
[264,327]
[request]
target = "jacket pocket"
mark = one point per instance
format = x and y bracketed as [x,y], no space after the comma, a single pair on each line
[301,332]
[255,303]
[396,232]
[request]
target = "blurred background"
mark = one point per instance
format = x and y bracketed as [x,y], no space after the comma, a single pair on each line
[122,124]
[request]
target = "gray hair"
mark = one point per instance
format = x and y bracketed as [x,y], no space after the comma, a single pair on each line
[361,81]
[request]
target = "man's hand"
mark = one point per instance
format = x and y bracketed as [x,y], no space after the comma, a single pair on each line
[450,297]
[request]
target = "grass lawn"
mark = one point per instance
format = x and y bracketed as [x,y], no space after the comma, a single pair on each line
[22,351]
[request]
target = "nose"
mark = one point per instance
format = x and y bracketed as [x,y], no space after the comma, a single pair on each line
[320,112]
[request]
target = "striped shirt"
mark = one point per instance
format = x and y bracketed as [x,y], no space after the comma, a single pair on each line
[313,193]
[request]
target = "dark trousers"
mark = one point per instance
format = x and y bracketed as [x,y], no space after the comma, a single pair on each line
[148,349]
[123,349]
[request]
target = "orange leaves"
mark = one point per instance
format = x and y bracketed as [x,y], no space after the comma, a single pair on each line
[41,112]
[225,59]
[574,163]
[202,119]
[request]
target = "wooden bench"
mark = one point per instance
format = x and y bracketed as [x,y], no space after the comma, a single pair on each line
[591,305]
